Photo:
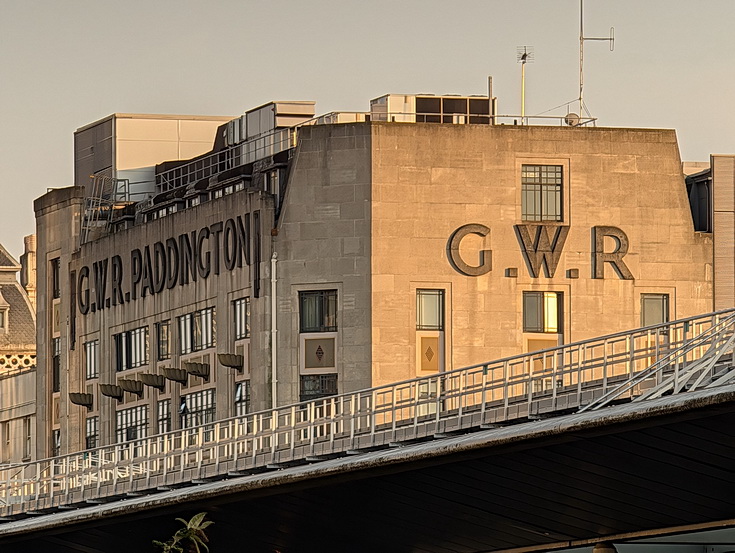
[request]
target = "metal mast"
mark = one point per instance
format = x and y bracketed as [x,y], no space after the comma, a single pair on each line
[582,38]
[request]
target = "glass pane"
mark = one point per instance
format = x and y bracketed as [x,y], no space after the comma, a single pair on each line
[330,310]
[551,312]
[309,313]
[654,309]
[430,309]
[532,309]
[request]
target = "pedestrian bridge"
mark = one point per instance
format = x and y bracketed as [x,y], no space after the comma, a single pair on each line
[662,376]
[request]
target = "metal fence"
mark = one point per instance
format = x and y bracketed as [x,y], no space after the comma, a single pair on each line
[280,140]
[671,358]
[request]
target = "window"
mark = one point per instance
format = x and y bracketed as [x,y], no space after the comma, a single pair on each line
[3,318]
[314,386]
[132,424]
[56,443]
[242,398]
[654,309]
[429,309]
[197,330]
[197,408]
[541,192]
[92,434]
[542,312]
[27,438]
[55,270]
[318,311]
[91,358]
[131,349]
[163,340]
[56,364]
[241,308]
[164,416]
[5,452]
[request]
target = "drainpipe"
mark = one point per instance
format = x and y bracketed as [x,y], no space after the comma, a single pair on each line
[274,331]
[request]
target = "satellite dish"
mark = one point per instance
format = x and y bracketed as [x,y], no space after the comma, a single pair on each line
[571,119]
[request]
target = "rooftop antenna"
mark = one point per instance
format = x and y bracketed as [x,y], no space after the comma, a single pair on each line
[582,38]
[524,56]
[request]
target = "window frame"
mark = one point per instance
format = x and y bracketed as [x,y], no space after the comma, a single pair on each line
[56,442]
[55,365]
[91,359]
[163,344]
[327,385]
[92,432]
[198,407]
[535,185]
[241,316]
[163,416]
[541,297]
[135,418]
[131,348]
[197,330]
[27,437]
[439,293]
[55,270]
[324,300]
[242,398]
[665,307]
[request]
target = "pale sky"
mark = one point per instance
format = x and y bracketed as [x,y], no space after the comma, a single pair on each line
[66,63]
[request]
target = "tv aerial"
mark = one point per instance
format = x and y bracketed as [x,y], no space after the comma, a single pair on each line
[524,56]
[582,38]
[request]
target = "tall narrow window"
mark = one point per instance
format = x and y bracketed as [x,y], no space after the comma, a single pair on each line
[56,443]
[542,312]
[163,340]
[242,398]
[241,308]
[131,348]
[197,330]
[55,269]
[541,192]
[56,364]
[318,311]
[91,358]
[3,319]
[5,452]
[164,416]
[654,309]
[429,309]
[27,437]
[92,434]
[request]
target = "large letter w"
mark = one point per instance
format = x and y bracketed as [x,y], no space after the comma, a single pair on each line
[540,248]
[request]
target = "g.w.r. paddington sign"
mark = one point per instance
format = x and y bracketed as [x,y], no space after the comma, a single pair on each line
[541,246]
[174,261]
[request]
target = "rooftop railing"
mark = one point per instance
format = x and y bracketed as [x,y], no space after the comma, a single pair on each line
[280,140]
[672,358]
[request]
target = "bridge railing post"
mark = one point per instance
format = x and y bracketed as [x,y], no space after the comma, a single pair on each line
[372,421]
[274,434]
[506,394]
[333,421]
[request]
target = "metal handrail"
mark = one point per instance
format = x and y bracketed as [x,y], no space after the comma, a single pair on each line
[564,378]
[271,143]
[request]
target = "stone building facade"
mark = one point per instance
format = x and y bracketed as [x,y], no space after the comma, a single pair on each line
[350,255]
[17,356]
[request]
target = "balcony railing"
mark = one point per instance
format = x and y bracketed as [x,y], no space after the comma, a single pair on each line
[668,358]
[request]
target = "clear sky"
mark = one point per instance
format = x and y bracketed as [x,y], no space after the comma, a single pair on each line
[66,63]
